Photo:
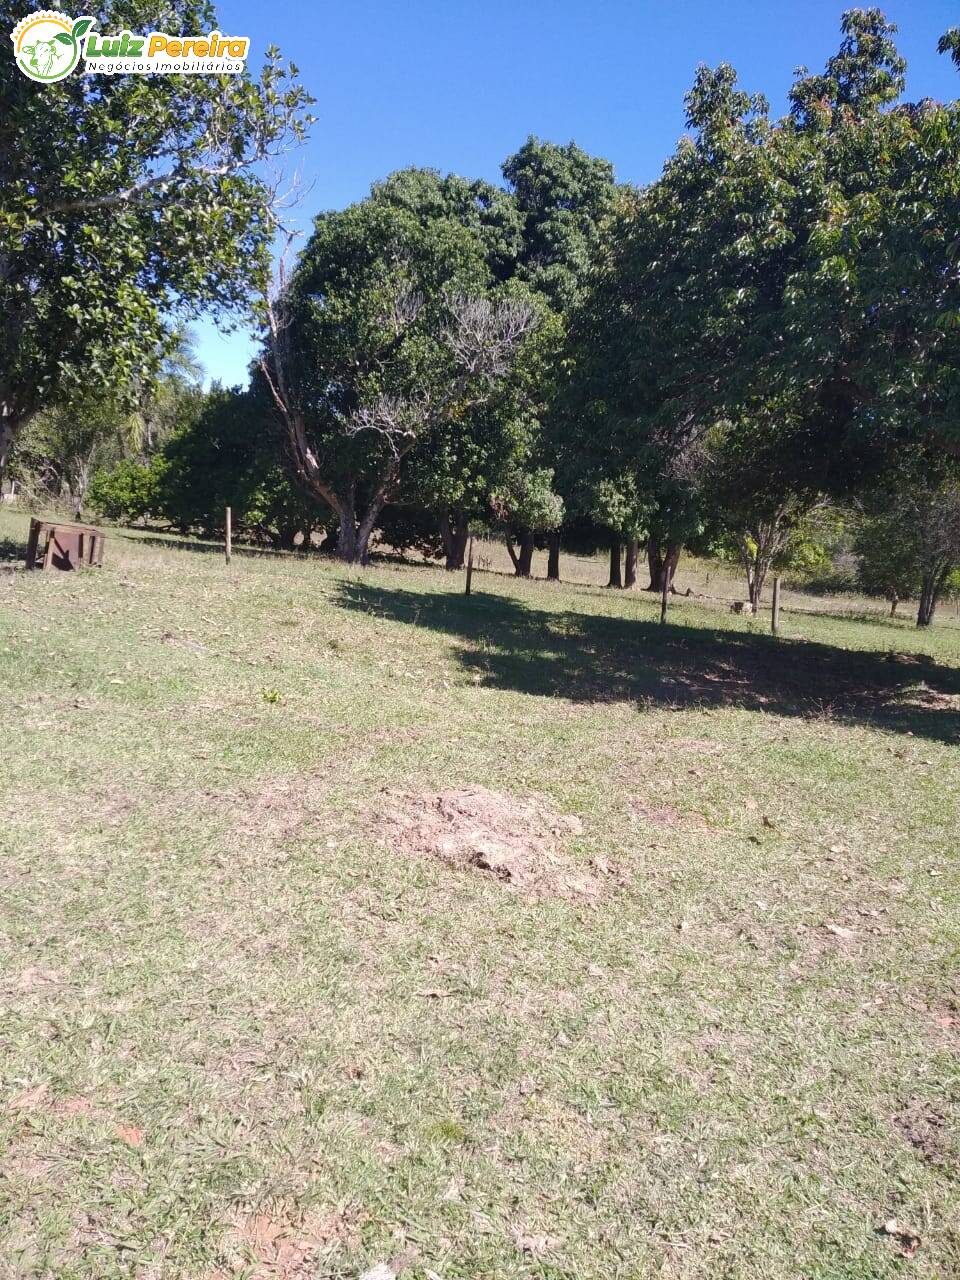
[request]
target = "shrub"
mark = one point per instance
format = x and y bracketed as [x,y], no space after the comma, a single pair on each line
[128,491]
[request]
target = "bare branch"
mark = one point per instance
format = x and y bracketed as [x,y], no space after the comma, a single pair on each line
[398,420]
[208,148]
[484,336]
[275,365]
[405,307]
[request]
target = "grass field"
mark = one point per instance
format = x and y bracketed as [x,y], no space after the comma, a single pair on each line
[260,1018]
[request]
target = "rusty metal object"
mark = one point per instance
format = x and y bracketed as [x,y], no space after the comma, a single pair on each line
[67,546]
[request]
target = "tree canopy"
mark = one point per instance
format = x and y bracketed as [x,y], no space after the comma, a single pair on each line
[769,328]
[125,200]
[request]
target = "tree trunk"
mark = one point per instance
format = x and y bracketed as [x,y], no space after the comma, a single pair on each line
[894,601]
[347,548]
[655,565]
[931,584]
[353,538]
[928,603]
[768,538]
[7,436]
[348,544]
[78,482]
[756,576]
[11,424]
[630,564]
[671,564]
[523,562]
[454,531]
[663,562]
[616,548]
[750,558]
[553,556]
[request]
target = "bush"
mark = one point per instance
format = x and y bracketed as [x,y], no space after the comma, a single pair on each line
[128,491]
[410,528]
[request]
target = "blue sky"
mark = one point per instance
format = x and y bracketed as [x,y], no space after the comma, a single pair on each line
[459,84]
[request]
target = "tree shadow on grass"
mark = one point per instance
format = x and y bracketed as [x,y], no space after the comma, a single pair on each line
[202,546]
[589,658]
[12,550]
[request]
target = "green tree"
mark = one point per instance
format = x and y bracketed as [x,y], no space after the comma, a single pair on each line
[541,233]
[61,449]
[563,195]
[223,458]
[762,480]
[527,507]
[128,491]
[809,263]
[390,330]
[455,470]
[488,211]
[908,542]
[867,72]
[124,199]
[886,562]
[56,454]
[950,43]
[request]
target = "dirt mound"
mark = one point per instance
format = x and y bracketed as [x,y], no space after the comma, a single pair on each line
[516,841]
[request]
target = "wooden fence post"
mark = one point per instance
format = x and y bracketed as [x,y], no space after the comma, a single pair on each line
[775,617]
[469,567]
[228,547]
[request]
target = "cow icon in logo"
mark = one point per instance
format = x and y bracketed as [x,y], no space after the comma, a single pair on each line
[47,46]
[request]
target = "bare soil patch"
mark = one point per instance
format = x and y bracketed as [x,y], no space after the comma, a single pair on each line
[515,841]
[666,815]
[695,746]
[926,1129]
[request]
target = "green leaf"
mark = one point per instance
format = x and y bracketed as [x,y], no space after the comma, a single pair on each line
[63,38]
[81,27]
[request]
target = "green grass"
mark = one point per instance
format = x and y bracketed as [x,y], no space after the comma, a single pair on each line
[241,999]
